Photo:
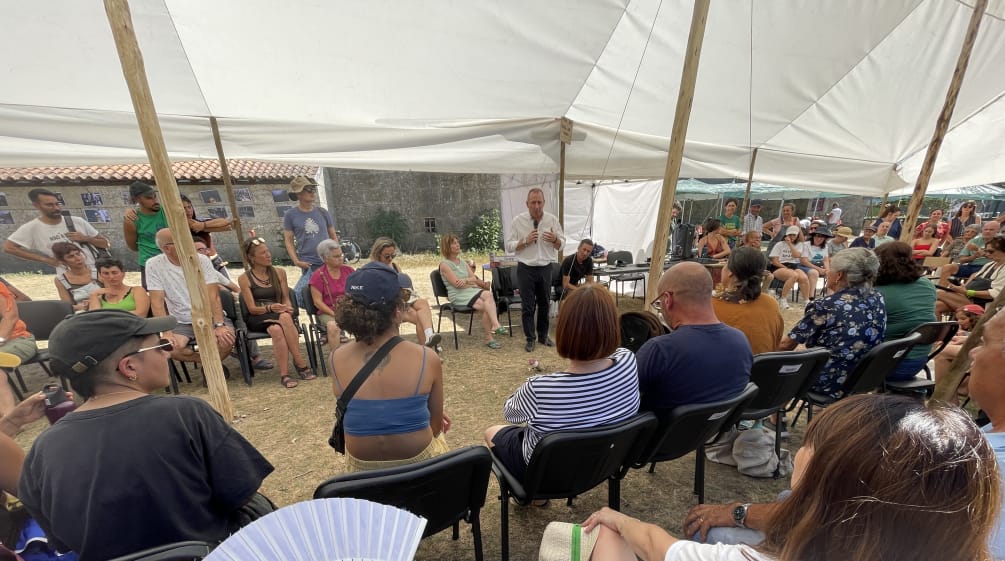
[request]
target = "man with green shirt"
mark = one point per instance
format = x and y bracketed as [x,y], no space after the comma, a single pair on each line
[140,232]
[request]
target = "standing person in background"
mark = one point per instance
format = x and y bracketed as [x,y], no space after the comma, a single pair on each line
[33,240]
[834,216]
[731,222]
[753,222]
[965,216]
[535,237]
[202,228]
[890,215]
[778,227]
[140,227]
[304,226]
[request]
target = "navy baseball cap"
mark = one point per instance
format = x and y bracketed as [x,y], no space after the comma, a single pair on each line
[373,284]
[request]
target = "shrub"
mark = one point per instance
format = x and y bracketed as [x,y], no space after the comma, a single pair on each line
[388,223]
[484,232]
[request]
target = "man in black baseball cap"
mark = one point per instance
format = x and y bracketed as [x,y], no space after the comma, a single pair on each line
[150,469]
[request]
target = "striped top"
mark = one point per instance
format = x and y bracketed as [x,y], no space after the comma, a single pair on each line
[563,401]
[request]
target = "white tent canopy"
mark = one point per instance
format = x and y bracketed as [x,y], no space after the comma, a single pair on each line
[836,95]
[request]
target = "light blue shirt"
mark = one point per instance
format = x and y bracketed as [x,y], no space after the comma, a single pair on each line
[997,542]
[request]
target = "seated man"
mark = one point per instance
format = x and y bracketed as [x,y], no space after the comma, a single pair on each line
[972,257]
[128,471]
[169,296]
[577,267]
[702,360]
[15,340]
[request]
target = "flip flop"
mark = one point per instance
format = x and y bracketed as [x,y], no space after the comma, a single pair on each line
[500,331]
[493,345]
[288,382]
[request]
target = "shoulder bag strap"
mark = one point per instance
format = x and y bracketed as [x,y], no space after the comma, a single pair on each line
[364,373]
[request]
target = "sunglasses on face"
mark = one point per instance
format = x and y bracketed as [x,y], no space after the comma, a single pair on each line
[310,189]
[162,343]
[388,257]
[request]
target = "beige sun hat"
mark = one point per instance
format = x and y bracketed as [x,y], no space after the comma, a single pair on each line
[8,360]
[563,541]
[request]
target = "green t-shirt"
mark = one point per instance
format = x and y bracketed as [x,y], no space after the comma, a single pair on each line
[979,242]
[908,305]
[734,223]
[146,234]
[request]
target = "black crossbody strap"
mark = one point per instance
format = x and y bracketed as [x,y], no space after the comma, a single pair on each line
[364,372]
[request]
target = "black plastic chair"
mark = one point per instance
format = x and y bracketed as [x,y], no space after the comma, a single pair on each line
[179,551]
[39,317]
[781,377]
[932,333]
[686,428]
[245,335]
[440,291]
[622,259]
[868,375]
[314,332]
[445,490]
[568,463]
[504,289]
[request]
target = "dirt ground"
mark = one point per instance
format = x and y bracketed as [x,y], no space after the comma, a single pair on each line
[291,428]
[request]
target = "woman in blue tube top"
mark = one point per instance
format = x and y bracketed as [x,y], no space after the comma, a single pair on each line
[396,417]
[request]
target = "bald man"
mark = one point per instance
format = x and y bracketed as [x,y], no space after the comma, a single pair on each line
[702,360]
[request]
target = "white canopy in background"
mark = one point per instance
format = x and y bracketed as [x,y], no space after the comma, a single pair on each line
[837,95]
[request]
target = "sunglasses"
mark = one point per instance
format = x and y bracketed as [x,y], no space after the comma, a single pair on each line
[162,343]
[310,189]
[256,241]
[386,257]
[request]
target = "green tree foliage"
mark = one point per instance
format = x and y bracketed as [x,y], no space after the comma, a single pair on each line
[388,223]
[484,232]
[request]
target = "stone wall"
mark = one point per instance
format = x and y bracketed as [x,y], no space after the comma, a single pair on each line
[450,200]
[104,205]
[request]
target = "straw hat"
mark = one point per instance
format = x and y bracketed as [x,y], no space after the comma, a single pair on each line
[563,541]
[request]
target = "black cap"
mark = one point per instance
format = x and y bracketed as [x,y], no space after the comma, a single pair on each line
[140,189]
[81,341]
[373,284]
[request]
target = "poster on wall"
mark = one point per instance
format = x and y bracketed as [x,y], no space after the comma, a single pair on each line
[6,217]
[242,195]
[210,196]
[217,212]
[92,199]
[281,209]
[280,196]
[246,211]
[3,199]
[97,216]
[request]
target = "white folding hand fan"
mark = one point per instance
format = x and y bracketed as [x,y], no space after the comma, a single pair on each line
[326,530]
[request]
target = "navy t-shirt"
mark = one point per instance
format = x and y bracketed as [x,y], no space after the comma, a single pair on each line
[308,228]
[693,364]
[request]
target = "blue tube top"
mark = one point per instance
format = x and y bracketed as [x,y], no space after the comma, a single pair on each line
[371,417]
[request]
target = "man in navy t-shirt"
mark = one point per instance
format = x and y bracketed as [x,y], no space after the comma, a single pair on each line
[702,360]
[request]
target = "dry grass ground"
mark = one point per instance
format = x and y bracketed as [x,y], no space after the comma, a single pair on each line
[291,428]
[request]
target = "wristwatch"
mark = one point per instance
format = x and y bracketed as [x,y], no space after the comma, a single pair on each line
[219,324]
[740,515]
[3,340]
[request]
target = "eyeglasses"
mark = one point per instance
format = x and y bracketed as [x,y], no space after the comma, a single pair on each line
[656,306]
[388,257]
[162,343]
[202,249]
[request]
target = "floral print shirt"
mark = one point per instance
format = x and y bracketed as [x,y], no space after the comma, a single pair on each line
[849,323]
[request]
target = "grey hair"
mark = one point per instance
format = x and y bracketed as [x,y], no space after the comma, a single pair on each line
[860,266]
[326,247]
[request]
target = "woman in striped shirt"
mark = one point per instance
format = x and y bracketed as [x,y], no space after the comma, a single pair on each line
[600,385]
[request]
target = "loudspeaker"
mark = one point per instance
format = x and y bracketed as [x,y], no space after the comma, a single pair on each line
[683,241]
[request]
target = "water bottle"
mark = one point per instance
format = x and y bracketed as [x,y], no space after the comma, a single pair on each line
[56,403]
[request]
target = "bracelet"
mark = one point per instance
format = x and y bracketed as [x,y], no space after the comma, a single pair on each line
[970,293]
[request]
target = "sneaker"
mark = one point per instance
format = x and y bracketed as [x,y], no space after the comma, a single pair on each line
[783,303]
[771,427]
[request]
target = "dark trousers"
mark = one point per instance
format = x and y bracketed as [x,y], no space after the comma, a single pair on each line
[535,285]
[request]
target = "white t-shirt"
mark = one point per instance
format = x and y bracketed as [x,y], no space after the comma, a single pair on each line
[168,277]
[834,217]
[39,237]
[684,550]
[784,253]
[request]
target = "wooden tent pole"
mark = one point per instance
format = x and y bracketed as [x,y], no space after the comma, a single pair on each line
[134,72]
[942,124]
[228,184]
[564,137]
[675,152]
[746,194]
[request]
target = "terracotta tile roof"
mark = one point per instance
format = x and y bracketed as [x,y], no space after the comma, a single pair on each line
[190,171]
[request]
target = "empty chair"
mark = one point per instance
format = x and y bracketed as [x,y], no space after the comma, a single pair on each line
[781,377]
[569,463]
[868,374]
[444,490]
[686,428]
[621,259]
[39,317]
[504,286]
[314,333]
[440,291]
[179,551]
[933,333]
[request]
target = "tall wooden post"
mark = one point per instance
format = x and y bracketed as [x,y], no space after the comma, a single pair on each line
[564,137]
[942,124]
[228,184]
[675,153]
[131,59]
[746,194]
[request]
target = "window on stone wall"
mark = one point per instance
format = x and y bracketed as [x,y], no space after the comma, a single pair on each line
[429,225]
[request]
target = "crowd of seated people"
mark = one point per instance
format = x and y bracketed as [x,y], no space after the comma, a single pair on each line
[982,286]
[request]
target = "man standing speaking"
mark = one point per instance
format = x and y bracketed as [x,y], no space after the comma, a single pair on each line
[535,237]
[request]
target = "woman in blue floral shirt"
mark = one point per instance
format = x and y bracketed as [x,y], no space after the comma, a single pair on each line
[849,322]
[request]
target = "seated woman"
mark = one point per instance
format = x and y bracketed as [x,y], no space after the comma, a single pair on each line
[328,285]
[465,289]
[848,322]
[396,417]
[786,257]
[851,496]
[982,287]
[713,244]
[966,317]
[418,313]
[926,244]
[266,294]
[816,260]
[599,387]
[910,302]
[752,239]
[116,294]
[76,284]
[743,306]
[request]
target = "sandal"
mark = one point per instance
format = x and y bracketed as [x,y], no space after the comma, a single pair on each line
[288,382]
[493,345]
[500,330]
[305,373]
